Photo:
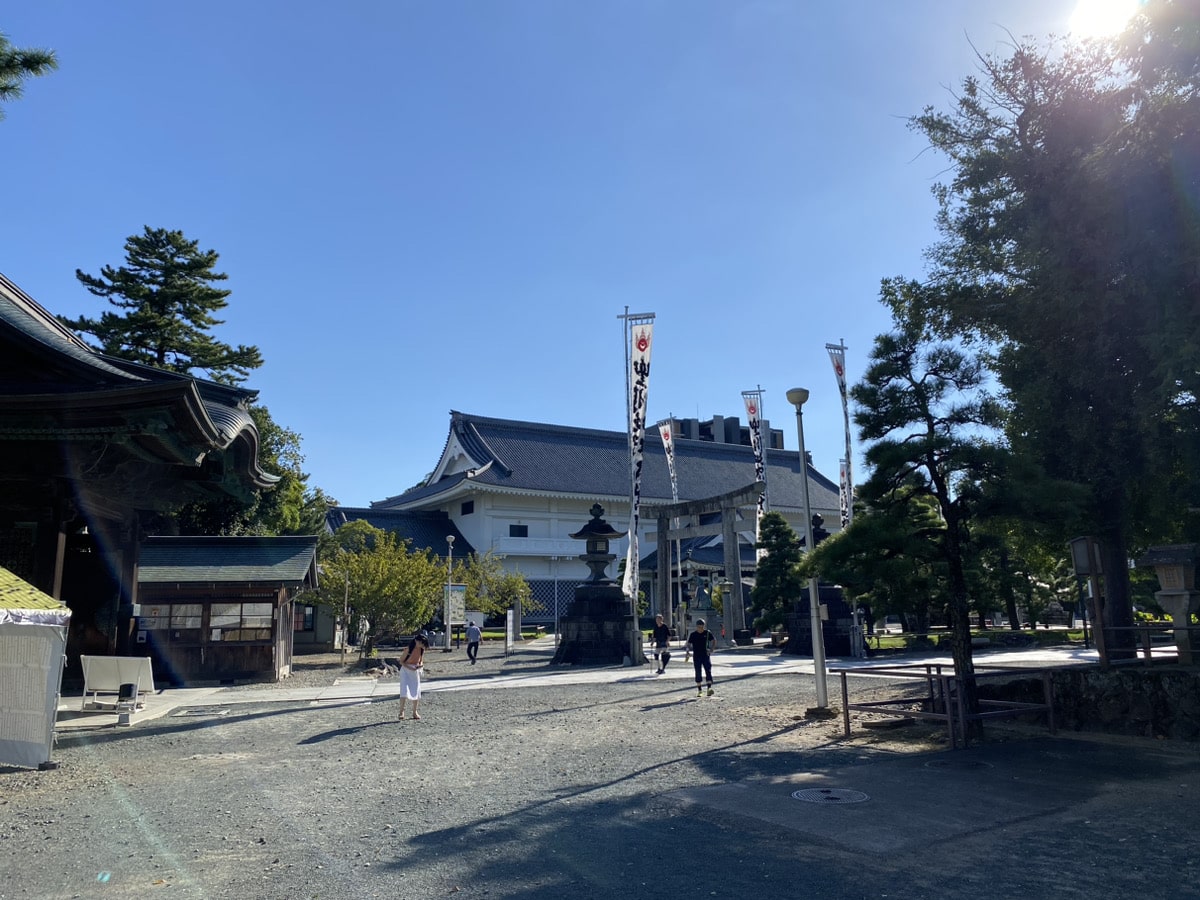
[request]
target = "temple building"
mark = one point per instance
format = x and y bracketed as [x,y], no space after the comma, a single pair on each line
[519,489]
[95,452]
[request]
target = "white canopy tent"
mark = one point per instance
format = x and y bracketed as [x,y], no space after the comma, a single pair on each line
[33,647]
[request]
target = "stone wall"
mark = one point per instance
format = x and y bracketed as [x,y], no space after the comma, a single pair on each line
[1163,701]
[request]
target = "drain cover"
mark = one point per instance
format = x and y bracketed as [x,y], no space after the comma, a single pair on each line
[830,795]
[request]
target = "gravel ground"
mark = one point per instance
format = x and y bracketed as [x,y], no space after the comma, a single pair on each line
[538,792]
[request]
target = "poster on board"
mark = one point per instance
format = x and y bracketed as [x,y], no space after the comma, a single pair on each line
[457,604]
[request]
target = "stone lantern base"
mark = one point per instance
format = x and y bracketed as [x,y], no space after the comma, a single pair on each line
[598,630]
[1180,605]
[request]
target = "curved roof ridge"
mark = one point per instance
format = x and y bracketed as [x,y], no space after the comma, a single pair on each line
[540,426]
[476,444]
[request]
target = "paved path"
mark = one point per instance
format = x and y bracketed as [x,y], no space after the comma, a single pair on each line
[529,667]
[598,784]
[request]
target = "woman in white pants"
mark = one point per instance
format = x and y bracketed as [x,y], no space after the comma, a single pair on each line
[410,673]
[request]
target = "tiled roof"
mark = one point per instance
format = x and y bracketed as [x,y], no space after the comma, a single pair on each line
[535,457]
[426,530]
[211,415]
[285,561]
[703,553]
[30,319]
[419,493]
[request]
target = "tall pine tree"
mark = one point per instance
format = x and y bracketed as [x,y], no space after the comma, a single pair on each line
[168,302]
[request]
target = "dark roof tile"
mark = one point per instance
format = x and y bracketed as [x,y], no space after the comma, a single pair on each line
[536,457]
[231,560]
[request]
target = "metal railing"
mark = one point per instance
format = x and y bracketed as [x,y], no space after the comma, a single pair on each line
[943,698]
[1145,647]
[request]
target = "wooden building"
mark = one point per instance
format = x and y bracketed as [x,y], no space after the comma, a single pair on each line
[95,453]
[221,608]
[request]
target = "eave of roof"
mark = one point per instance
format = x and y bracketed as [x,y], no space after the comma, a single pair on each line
[287,561]
[427,529]
[205,415]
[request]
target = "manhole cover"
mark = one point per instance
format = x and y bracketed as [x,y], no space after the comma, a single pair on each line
[960,764]
[202,711]
[830,795]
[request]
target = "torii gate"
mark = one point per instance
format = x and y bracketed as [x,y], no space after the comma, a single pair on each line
[727,505]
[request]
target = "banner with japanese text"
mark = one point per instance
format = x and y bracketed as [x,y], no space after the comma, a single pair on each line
[837,356]
[753,401]
[639,385]
[666,431]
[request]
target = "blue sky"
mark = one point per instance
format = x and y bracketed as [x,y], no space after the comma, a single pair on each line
[446,205]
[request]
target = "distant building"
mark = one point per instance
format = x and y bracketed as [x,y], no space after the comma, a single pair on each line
[518,489]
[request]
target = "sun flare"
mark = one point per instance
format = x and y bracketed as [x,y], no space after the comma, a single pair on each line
[1101,18]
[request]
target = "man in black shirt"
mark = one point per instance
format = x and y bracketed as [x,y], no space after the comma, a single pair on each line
[661,636]
[701,643]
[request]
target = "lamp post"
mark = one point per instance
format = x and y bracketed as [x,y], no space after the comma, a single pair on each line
[344,555]
[346,617]
[449,585]
[798,397]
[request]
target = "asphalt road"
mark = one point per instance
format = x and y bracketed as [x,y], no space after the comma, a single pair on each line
[629,787]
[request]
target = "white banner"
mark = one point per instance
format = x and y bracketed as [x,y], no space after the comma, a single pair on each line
[753,401]
[844,492]
[837,356]
[666,430]
[639,384]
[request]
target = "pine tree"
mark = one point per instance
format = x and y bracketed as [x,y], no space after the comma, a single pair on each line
[16,65]
[168,301]
[777,580]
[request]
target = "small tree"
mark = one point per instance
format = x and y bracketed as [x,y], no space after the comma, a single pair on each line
[490,587]
[886,560]
[396,590]
[777,580]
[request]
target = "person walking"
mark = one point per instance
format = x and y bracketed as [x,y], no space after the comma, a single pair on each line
[474,635]
[661,636]
[410,673]
[700,644]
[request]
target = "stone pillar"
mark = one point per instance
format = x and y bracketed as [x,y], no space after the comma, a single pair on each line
[1180,605]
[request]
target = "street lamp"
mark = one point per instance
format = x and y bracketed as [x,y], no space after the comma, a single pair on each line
[346,617]
[344,556]
[449,588]
[798,397]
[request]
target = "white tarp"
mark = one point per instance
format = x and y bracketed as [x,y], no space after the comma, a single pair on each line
[35,616]
[31,665]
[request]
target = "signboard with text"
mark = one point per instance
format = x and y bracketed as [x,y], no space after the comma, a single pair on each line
[457,604]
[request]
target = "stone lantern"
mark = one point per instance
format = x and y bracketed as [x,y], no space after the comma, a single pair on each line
[1175,566]
[599,628]
[597,533]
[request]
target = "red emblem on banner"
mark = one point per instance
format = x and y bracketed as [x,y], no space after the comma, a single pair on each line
[751,410]
[666,433]
[642,342]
